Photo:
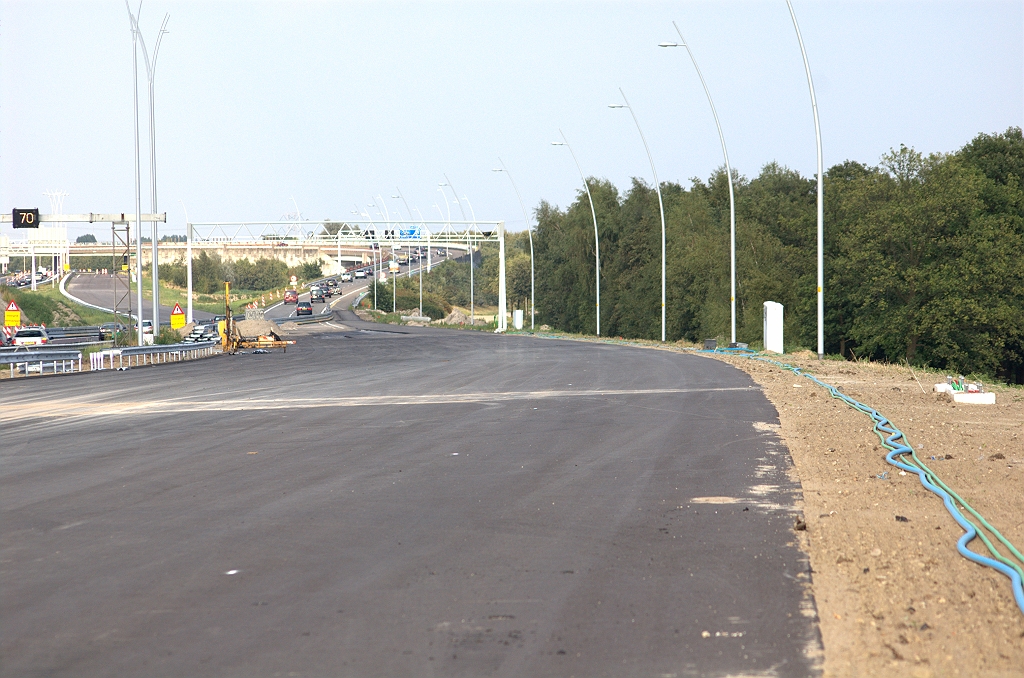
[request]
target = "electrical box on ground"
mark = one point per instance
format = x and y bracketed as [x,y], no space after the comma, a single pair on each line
[517,318]
[773,327]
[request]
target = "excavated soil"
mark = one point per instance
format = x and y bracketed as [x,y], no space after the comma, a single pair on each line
[893,595]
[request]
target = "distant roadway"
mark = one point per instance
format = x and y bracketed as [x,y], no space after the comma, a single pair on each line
[392,501]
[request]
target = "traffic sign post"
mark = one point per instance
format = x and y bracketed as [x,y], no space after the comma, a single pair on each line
[177,317]
[12,315]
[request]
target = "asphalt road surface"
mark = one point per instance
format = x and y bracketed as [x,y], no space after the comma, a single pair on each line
[98,289]
[401,502]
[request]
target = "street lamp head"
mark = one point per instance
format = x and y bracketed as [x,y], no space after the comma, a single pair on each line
[497,169]
[558,143]
[617,106]
[669,44]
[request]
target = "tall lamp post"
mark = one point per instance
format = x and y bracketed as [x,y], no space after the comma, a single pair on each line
[821,202]
[661,205]
[151,77]
[728,171]
[529,231]
[138,172]
[597,242]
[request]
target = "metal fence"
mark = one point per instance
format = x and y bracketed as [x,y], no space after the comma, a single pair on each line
[135,356]
[42,359]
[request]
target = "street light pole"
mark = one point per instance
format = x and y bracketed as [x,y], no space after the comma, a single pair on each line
[151,78]
[661,205]
[138,171]
[597,242]
[529,232]
[728,171]
[821,201]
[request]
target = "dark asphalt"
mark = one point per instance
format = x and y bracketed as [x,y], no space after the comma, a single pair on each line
[402,502]
[98,289]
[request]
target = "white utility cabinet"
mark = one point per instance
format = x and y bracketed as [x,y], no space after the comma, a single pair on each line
[773,327]
[517,318]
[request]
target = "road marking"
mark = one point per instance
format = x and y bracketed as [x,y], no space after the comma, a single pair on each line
[82,408]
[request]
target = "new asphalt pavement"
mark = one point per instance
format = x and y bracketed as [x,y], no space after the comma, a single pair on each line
[389,501]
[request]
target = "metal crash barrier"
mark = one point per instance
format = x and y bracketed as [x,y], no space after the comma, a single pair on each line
[134,356]
[43,360]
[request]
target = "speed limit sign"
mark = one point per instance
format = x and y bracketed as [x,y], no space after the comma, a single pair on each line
[25,218]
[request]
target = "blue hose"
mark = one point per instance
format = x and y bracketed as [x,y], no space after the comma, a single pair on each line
[896,442]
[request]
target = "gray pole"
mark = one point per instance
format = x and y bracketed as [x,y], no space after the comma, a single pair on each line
[728,170]
[151,78]
[821,201]
[188,262]
[661,205]
[597,242]
[529,232]
[138,171]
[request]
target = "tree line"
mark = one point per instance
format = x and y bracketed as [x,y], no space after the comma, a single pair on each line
[924,258]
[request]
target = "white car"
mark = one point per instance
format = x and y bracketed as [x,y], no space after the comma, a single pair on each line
[346,277]
[361,275]
[31,336]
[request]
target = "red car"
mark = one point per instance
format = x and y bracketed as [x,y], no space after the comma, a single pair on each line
[291,297]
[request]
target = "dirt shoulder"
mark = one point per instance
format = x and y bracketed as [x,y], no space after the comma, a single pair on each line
[894,597]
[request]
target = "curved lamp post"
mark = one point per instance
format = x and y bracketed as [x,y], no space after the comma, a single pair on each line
[529,231]
[597,242]
[151,77]
[821,202]
[138,172]
[728,171]
[661,205]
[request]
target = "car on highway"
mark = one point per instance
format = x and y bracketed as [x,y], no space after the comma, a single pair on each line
[108,330]
[346,277]
[316,295]
[303,308]
[291,297]
[361,275]
[147,327]
[31,336]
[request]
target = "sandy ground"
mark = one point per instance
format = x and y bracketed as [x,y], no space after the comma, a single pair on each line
[894,597]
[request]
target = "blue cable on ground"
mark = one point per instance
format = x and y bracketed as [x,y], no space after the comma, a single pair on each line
[896,442]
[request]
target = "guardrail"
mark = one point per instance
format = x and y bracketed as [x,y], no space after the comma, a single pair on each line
[150,355]
[43,358]
[56,347]
[73,332]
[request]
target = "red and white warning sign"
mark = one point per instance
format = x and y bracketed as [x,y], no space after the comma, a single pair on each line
[177,317]
[12,315]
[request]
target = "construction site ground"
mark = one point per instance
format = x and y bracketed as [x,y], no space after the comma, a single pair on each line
[894,597]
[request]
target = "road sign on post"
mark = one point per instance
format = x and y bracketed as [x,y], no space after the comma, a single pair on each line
[12,315]
[177,317]
[25,218]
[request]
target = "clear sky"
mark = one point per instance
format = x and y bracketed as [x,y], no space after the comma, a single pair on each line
[332,103]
